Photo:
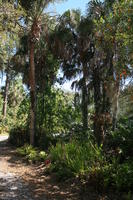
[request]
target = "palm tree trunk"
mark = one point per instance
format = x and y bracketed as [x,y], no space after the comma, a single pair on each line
[98,118]
[106,87]
[84,101]
[6,95]
[32,94]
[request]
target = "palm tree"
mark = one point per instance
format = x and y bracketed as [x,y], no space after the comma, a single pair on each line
[72,46]
[34,10]
[105,85]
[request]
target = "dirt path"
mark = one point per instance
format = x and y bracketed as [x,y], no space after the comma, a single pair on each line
[13,173]
[21,181]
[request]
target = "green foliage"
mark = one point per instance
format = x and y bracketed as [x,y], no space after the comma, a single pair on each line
[3,122]
[121,141]
[56,115]
[4,129]
[118,176]
[32,154]
[73,158]
[42,155]
[25,150]
[55,108]
[17,112]
[27,5]
[126,102]
[124,176]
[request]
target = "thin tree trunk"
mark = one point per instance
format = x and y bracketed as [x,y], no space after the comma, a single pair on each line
[107,97]
[115,104]
[84,101]
[6,95]
[32,94]
[98,118]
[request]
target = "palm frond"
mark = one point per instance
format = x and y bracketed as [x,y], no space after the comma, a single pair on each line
[95,8]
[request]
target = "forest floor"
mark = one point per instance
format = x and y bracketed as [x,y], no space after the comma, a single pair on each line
[21,181]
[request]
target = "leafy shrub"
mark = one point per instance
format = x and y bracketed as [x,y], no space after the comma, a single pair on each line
[4,129]
[119,170]
[42,155]
[119,176]
[74,158]
[122,139]
[124,176]
[25,150]
[32,154]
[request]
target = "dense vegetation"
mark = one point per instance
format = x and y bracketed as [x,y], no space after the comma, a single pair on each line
[88,131]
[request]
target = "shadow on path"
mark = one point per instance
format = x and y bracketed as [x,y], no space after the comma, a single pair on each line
[13,186]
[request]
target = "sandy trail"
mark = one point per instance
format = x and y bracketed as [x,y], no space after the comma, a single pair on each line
[12,184]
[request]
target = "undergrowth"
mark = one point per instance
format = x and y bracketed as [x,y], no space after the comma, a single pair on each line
[32,154]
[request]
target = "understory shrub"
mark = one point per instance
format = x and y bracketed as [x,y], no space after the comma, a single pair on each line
[124,176]
[32,154]
[73,158]
[118,172]
[119,176]
[4,129]
[121,140]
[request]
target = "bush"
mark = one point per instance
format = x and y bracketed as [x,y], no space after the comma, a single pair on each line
[119,150]
[124,176]
[72,158]
[32,154]
[4,129]
[75,159]
[25,150]
[119,176]
[122,139]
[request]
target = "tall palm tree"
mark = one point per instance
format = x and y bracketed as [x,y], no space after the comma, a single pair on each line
[105,84]
[34,10]
[72,46]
